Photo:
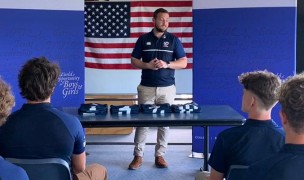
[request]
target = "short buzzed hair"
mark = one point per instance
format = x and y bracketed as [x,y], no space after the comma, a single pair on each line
[263,84]
[159,10]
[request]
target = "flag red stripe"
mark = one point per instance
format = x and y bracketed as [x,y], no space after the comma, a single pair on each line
[161,3]
[109,45]
[117,55]
[150,14]
[108,66]
[107,56]
[118,66]
[180,35]
[171,24]
[120,45]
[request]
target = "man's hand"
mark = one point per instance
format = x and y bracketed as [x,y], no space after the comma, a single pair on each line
[152,64]
[160,64]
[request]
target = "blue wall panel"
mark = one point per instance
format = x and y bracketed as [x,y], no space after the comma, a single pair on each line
[55,34]
[228,42]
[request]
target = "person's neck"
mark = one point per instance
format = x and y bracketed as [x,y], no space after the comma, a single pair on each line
[293,138]
[157,33]
[48,100]
[262,116]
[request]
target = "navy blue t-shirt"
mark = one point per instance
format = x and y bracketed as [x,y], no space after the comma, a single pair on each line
[9,171]
[244,145]
[167,48]
[41,131]
[288,164]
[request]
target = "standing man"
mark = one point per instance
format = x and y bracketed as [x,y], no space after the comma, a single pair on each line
[289,162]
[158,53]
[38,130]
[260,136]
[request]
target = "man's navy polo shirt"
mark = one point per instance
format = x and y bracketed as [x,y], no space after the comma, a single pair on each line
[10,171]
[41,131]
[167,48]
[288,164]
[244,145]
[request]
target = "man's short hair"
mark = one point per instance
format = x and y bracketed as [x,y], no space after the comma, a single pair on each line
[159,10]
[264,84]
[7,101]
[38,78]
[291,98]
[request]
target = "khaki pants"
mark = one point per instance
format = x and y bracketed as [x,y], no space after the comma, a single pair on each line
[153,95]
[92,172]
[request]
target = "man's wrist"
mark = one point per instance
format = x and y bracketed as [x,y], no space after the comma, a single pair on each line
[168,64]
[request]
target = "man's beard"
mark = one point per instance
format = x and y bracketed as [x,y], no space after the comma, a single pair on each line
[159,30]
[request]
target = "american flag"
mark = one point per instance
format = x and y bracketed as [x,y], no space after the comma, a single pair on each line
[112,28]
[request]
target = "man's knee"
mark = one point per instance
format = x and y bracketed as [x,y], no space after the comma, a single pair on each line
[98,171]
[92,172]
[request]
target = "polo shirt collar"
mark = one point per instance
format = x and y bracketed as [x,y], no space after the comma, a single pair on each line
[39,105]
[293,148]
[164,35]
[254,122]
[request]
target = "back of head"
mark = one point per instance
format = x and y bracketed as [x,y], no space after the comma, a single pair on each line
[38,78]
[291,98]
[7,101]
[264,84]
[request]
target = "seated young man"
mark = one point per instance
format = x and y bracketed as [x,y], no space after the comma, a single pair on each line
[7,169]
[289,162]
[260,136]
[38,130]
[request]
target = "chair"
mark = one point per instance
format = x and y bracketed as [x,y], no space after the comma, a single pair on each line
[237,172]
[46,169]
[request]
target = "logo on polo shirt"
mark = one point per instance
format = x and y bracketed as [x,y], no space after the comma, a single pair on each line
[166,44]
[148,43]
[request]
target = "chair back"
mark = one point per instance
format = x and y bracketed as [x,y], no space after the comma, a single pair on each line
[46,169]
[237,172]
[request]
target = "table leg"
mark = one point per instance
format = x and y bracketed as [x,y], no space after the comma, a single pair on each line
[206,147]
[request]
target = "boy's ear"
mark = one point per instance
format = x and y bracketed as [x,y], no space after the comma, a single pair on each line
[283,117]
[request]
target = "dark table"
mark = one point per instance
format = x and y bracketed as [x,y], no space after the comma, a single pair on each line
[211,115]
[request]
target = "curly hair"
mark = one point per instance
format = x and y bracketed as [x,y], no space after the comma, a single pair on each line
[291,98]
[263,84]
[38,78]
[7,101]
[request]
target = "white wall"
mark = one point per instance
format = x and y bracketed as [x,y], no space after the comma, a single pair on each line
[99,81]
[43,4]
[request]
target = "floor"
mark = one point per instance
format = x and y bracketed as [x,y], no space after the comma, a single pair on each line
[115,152]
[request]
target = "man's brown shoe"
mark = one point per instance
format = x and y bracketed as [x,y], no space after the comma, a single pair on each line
[136,163]
[160,162]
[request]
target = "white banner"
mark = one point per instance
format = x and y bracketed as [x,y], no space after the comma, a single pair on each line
[77,5]
[218,4]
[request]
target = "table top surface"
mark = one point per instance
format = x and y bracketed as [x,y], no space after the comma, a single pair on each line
[210,115]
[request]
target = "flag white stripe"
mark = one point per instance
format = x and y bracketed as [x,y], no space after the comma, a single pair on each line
[126,40]
[152,9]
[120,50]
[170,29]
